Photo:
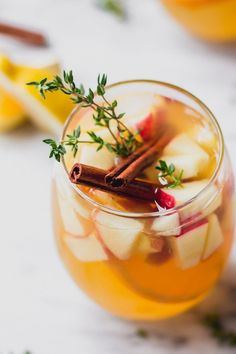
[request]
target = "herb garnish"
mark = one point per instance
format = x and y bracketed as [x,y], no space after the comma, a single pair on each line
[214,323]
[113,6]
[142,333]
[124,143]
[169,172]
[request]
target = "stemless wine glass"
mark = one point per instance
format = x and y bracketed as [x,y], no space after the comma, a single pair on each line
[137,286]
[208,19]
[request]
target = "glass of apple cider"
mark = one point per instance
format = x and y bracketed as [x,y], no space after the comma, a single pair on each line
[155,258]
[208,19]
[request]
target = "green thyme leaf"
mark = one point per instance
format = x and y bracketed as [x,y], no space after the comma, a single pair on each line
[142,333]
[123,143]
[168,172]
[214,323]
[113,6]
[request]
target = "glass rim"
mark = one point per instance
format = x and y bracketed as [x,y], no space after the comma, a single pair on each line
[177,208]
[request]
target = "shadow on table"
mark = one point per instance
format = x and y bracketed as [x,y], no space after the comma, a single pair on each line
[22,132]
[224,49]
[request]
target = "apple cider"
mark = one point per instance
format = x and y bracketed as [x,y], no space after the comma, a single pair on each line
[208,19]
[138,257]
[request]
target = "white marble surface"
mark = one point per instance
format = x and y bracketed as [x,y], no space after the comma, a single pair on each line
[40,307]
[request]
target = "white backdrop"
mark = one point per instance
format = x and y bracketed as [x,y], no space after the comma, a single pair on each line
[40,307]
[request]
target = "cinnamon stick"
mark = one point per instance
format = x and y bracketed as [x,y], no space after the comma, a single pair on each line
[127,161]
[135,163]
[95,177]
[25,35]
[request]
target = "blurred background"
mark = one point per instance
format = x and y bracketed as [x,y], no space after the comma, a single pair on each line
[189,43]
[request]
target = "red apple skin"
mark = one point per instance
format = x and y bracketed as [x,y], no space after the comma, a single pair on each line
[164,199]
[193,225]
[145,127]
[150,125]
[170,100]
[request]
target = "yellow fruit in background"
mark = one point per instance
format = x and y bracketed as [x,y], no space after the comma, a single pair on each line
[12,112]
[21,101]
[57,103]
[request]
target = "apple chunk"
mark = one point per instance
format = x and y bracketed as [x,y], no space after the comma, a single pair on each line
[147,244]
[204,136]
[165,199]
[189,246]
[206,203]
[183,145]
[149,125]
[147,118]
[87,249]
[73,223]
[65,190]
[119,234]
[214,236]
[191,165]
[100,159]
[187,191]
[167,225]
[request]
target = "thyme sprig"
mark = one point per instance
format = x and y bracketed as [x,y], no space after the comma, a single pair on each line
[124,143]
[214,322]
[142,333]
[113,6]
[168,173]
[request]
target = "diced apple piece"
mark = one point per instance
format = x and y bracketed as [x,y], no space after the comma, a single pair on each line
[118,233]
[147,245]
[207,203]
[106,199]
[150,124]
[73,223]
[66,192]
[62,182]
[87,249]
[145,127]
[147,123]
[191,165]
[165,199]
[214,236]
[167,225]
[190,244]
[203,136]
[101,159]
[187,191]
[183,145]
[137,109]
[213,200]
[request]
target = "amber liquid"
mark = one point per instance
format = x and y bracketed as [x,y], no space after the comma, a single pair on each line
[154,286]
